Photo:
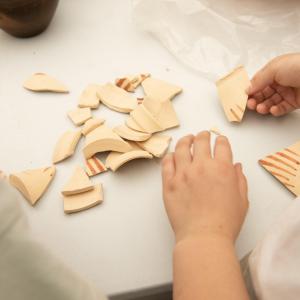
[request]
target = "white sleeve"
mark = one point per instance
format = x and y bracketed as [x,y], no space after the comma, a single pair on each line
[275,262]
[27,270]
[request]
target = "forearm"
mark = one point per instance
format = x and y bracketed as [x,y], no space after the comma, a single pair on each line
[207,268]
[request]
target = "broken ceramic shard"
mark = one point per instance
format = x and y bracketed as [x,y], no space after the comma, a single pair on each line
[94,166]
[80,115]
[232,93]
[104,139]
[130,122]
[138,79]
[131,82]
[285,166]
[78,183]
[116,98]
[83,201]
[33,183]
[125,84]
[115,160]
[130,134]
[157,145]
[160,90]
[162,112]
[40,82]
[145,120]
[90,125]
[89,97]
[215,131]
[66,145]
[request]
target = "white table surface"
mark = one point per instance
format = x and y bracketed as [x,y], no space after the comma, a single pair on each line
[126,243]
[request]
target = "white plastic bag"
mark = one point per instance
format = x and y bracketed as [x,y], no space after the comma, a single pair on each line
[214,36]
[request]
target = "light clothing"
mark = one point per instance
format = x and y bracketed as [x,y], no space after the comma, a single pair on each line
[275,262]
[27,270]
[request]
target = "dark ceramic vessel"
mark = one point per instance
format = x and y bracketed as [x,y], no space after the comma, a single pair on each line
[26,18]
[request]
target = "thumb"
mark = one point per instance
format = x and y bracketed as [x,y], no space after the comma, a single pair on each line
[263,78]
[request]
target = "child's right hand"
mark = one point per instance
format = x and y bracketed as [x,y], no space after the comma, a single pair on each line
[276,87]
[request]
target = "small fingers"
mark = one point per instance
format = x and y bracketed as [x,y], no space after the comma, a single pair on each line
[168,168]
[281,109]
[222,150]
[183,155]
[201,150]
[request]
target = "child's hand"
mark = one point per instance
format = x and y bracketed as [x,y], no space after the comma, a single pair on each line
[276,87]
[204,195]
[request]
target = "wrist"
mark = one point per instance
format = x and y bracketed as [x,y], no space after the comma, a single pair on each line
[203,233]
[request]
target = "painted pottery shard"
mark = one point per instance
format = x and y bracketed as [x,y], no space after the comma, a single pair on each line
[94,166]
[285,167]
[232,93]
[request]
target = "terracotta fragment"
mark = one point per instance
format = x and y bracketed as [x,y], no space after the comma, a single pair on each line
[157,145]
[40,82]
[33,183]
[232,93]
[80,115]
[89,97]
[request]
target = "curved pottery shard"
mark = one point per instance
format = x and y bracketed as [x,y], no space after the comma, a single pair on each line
[40,82]
[157,145]
[285,167]
[89,97]
[232,93]
[83,201]
[66,145]
[116,98]
[33,183]
[130,134]
[103,139]
[90,125]
[115,160]
[160,90]
[78,183]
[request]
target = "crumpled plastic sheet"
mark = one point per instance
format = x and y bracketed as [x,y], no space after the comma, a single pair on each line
[212,37]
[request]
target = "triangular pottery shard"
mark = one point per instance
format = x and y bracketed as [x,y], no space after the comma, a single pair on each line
[78,183]
[232,93]
[32,183]
[40,82]
[285,167]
